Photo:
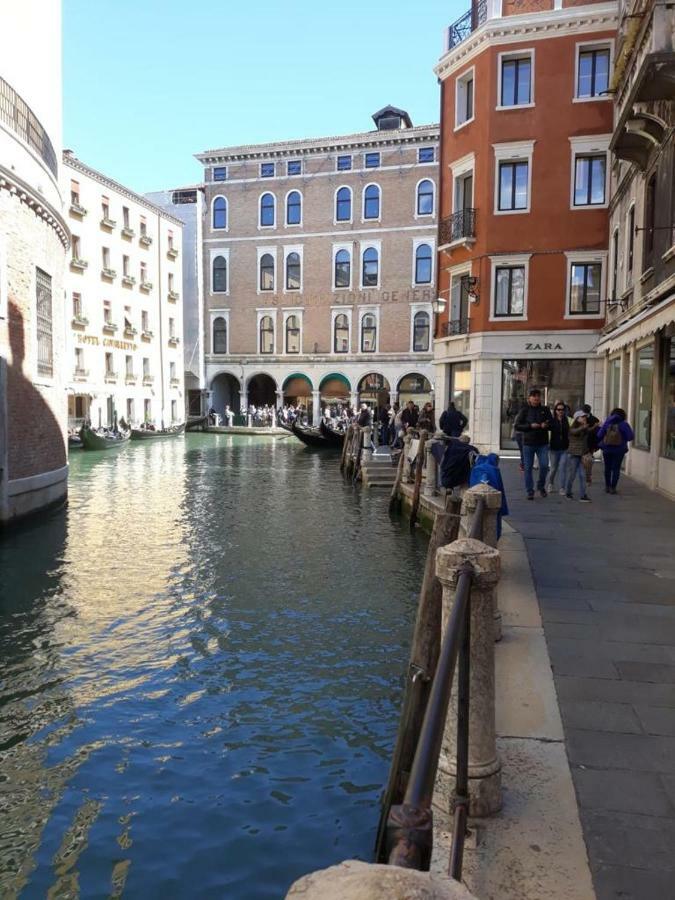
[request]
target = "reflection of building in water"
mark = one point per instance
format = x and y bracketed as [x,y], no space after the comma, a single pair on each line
[33,242]
[319,267]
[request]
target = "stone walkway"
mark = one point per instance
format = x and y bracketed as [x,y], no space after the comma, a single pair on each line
[605,579]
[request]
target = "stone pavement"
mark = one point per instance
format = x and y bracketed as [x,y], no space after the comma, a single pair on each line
[604,575]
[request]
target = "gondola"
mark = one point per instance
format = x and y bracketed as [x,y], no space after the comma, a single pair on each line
[334,438]
[145,434]
[197,423]
[109,440]
[74,440]
[310,437]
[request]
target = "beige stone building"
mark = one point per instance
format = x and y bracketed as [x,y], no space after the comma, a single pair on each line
[319,267]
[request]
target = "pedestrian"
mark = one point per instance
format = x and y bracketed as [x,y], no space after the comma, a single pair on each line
[410,415]
[427,419]
[578,445]
[613,438]
[364,419]
[453,421]
[592,439]
[559,444]
[383,417]
[534,423]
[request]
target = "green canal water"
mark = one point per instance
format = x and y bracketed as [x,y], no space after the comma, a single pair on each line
[200,673]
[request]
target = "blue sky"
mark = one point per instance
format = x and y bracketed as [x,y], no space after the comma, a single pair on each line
[147,84]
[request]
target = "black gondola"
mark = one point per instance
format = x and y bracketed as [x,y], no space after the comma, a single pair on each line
[310,437]
[334,438]
[198,423]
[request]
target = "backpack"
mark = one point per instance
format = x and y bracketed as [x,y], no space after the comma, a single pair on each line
[613,436]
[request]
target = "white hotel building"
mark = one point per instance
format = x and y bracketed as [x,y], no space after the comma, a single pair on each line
[123,303]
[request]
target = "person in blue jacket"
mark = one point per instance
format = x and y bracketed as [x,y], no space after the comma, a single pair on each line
[486,471]
[613,437]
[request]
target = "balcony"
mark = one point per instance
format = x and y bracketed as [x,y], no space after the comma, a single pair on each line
[80,374]
[128,280]
[461,29]
[173,341]
[147,335]
[172,296]
[79,321]
[76,209]
[20,118]
[127,232]
[172,253]
[148,379]
[79,265]
[145,286]
[107,222]
[110,377]
[145,240]
[175,382]
[130,331]
[130,378]
[455,327]
[110,274]
[109,327]
[457,229]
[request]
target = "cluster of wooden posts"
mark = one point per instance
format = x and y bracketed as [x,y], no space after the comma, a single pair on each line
[356,438]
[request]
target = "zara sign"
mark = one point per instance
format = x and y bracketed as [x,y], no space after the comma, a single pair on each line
[545,346]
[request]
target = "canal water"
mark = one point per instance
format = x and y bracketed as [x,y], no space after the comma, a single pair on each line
[200,672]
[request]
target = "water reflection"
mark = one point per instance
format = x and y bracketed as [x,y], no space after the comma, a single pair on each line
[203,652]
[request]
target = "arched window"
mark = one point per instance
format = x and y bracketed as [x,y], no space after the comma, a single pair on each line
[423,264]
[219,280]
[267,210]
[371,267]
[343,269]
[341,334]
[292,334]
[220,335]
[266,335]
[371,202]
[293,208]
[421,332]
[267,272]
[293,272]
[425,198]
[343,205]
[220,212]
[368,333]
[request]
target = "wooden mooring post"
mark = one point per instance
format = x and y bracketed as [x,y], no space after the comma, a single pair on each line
[419,472]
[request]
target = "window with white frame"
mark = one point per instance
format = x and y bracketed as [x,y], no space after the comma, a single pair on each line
[584,284]
[266,334]
[509,287]
[220,280]
[219,213]
[589,171]
[593,68]
[426,155]
[219,331]
[343,204]
[423,264]
[516,79]
[615,264]
[293,333]
[267,211]
[371,202]
[266,271]
[368,342]
[630,245]
[293,270]
[342,267]
[425,198]
[513,177]
[341,333]
[344,163]
[370,267]
[421,326]
[220,173]
[294,208]
[464,94]
[267,170]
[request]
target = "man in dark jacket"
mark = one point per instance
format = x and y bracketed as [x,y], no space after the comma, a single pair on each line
[409,416]
[534,421]
[453,422]
[364,418]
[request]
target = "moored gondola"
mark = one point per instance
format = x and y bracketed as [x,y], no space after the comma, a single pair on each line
[311,437]
[197,423]
[104,440]
[334,438]
[144,434]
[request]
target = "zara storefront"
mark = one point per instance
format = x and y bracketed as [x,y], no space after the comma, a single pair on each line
[488,377]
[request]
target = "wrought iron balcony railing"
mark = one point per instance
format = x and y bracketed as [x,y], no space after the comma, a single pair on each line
[18,116]
[455,326]
[470,21]
[460,225]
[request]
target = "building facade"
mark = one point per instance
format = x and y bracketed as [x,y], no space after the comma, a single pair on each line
[186,204]
[33,242]
[526,124]
[124,304]
[637,344]
[319,262]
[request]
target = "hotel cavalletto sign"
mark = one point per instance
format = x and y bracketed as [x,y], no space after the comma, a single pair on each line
[113,344]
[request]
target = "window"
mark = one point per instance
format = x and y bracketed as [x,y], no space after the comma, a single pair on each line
[293,208]
[644,390]
[343,269]
[585,282]
[172,328]
[421,332]
[464,98]
[267,211]
[174,410]
[169,240]
[220,335]
[144,273]
[267,170]
[631,245]
[343,205]
[145,322]
[77,305]
[169,282]
[293,273]
[344,163]
[589,180]
[592,72]
[267,272]
[75,193]
[146,367]
[75,247]
[516,81]
[144,227]
[267,334]
[105,257]
[107,312]
[105,208]
[125,216]
[220,173]
[294,167]
[615,263]
[127,319]
[147,410]
[650,222]
[426,155]
[513,179]
[293,334]
[109,365]
[220,212]
[509,291]
[423,264]
[368,333]
[425,198]
[172,370]
[370,268]
[219,281]
[341,334]
[129,365]
[45,345]
[371,202]
[79,359]
[372,160]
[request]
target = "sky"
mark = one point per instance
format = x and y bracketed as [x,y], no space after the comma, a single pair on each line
[147,84]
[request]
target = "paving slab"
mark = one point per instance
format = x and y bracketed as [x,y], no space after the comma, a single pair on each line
[604,575]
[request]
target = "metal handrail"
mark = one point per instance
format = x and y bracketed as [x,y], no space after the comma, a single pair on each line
[18,115]
[410,831]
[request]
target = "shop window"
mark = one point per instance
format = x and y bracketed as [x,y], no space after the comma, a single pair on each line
[460,387]
[644,397]
[669,436]
[614,383]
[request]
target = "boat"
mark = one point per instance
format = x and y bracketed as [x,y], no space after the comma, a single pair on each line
[144,434]
[74,440]
[311,437]
[103,439]
[334,438]
[196,423]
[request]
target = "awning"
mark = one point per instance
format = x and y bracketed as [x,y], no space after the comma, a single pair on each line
[645,323]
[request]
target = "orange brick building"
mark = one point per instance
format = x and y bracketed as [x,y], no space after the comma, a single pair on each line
[526,123]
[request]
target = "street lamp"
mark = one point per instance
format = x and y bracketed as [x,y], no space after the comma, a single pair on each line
[438,306]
